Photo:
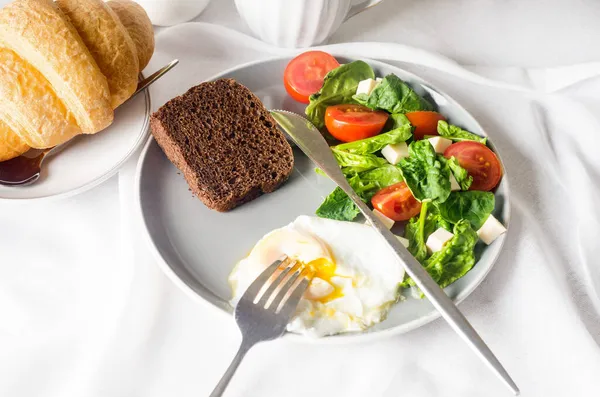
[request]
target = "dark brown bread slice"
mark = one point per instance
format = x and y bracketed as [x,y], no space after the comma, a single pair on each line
[225,143]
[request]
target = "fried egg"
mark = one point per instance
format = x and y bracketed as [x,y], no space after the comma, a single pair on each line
[354,276]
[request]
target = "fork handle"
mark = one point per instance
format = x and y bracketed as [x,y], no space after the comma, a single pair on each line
[237,360]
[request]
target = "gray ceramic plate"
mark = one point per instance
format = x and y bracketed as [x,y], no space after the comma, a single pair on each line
[198,247]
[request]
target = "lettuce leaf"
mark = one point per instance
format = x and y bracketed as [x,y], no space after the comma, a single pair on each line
[455,133]
[402,130]
[473,206]
[394,96]
[427,176]
[339,86]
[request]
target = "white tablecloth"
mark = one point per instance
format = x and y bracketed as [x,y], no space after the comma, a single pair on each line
[85,311]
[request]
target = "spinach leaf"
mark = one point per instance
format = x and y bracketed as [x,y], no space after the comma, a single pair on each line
[473,206]
[397,120]
[427,177]
[401,132]
[356,163]
[454,260]
[339,86]
[384,176]
[455,133]
[394,96]
[339,206]
[380,177]
[460,174]
[441,222]
[418,229]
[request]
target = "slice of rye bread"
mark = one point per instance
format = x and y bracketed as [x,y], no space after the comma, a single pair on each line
[225,143]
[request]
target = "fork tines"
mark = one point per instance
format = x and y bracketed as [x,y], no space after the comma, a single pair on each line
[276,285]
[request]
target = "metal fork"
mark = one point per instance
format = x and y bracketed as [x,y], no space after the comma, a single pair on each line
[265,309]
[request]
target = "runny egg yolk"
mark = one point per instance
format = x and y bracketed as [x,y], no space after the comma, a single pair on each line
[324,269]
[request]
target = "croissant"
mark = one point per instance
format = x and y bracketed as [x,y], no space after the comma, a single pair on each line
[136,21]
[65,66]
[11,145]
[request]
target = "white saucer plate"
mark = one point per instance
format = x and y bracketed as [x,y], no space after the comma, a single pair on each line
[88,160]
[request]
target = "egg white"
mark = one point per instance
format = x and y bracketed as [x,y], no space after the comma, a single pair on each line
[359,275]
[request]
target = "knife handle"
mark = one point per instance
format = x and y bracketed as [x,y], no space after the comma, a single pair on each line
[432,291]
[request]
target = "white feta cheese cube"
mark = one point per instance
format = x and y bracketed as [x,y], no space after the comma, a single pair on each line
[491,230]
[403,241]
[366,86]
[395,152]
[437,239]
[386,221]
[454,186]
[379,79]
[439,144]
[318,289]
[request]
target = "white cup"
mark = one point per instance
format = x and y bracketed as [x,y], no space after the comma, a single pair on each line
[297,23]
[172,12]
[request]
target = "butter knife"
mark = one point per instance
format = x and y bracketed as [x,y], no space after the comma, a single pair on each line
[308,138]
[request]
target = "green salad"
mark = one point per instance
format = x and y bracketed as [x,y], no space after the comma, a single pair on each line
[413,166]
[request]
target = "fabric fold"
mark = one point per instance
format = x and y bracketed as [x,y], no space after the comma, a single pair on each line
[548,279]
[132,332]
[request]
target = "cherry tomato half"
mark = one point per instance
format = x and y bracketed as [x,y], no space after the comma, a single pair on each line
[425,123]
[304,75]
[479,161]
[396,202]
[349,123]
